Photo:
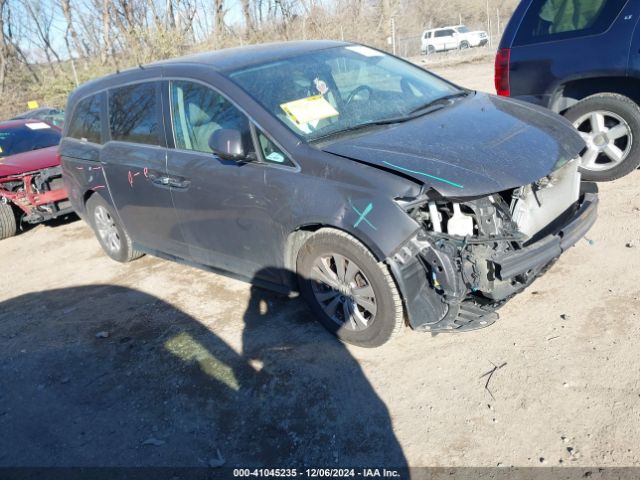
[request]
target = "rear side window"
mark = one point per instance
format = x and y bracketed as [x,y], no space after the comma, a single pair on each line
[134,114]
[85,124]
[444,33]
[549,20]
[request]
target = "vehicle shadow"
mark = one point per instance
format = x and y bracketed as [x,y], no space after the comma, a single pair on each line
[24,227]
[104,375]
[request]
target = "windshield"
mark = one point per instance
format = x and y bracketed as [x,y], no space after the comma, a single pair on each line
[25,138]
[463,29]
[329,91]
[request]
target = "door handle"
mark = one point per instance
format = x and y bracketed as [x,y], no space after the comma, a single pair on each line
[179,182]
[159,180]
[157,177]
[168,180]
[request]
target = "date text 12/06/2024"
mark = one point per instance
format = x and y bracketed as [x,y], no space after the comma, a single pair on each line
[316,473]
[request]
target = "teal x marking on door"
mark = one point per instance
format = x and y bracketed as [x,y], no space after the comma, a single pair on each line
[363,216]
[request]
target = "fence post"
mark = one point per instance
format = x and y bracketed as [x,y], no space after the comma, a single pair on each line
[75,73]
[393,35]
[489,25]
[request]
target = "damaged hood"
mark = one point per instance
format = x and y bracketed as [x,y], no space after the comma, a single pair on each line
[29,161]
[479,145]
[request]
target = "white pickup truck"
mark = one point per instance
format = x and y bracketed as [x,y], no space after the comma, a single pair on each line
[451,38]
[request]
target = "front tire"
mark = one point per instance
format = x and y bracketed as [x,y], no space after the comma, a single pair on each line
[113,238]
[610,125]
[8,226]
[352,295]
[464,45]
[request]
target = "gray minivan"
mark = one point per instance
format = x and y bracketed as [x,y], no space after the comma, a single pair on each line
[381,192]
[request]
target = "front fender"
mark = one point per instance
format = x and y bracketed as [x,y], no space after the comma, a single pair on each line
[375,220]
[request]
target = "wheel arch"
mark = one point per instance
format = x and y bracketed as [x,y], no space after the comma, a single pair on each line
[570,93]
[297,238]
[105,195]
[86,196]
[372,218]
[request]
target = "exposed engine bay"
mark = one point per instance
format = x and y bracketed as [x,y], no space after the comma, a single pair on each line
[473,255]
[39,195]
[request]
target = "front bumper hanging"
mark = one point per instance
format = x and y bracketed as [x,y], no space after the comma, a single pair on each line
[433,275]
[552,246]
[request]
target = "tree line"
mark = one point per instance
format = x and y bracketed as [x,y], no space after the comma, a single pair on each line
[47,47]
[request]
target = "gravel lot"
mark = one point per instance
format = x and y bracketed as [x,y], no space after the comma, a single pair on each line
[160,364]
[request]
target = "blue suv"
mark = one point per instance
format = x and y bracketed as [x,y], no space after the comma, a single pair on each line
[580,58]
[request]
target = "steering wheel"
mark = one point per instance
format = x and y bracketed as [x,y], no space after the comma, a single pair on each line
[355,92]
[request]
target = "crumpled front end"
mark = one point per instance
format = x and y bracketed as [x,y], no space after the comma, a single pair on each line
[472,255]
[39,195]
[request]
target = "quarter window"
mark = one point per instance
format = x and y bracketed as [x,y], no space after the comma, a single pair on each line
[86,124]
[271,152]
[197,111]
[134,114]
[548,20]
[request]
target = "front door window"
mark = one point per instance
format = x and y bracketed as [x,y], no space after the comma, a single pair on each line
[197,111]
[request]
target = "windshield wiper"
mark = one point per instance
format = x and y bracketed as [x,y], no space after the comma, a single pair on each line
[428,107]
[437,102]
[423,109]
[355,128]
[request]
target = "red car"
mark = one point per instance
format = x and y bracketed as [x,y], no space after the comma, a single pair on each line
[31,188]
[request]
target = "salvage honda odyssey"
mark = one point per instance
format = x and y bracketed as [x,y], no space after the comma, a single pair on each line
[379,191]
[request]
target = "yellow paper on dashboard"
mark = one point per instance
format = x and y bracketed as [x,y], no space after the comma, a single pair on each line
[310,109]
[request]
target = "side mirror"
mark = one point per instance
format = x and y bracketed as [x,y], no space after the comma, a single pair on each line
[227,144]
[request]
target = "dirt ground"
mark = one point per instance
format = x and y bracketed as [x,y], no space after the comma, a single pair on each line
[159,364]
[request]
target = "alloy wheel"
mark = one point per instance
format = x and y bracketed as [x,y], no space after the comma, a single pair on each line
[107,229]
[608,137]
[343,292]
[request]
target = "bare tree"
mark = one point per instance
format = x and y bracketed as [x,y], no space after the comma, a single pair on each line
[41,22]
[4,50]
[71,31]
[171,18]
[106,31]
[39,39]
[10,50]
[218,8]
[248,16]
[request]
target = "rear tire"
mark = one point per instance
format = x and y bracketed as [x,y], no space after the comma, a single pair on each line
[113,238]
[353,296]
[8,226]
[610,124]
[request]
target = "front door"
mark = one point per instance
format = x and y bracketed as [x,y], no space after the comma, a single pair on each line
[450,41]
[227,210]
